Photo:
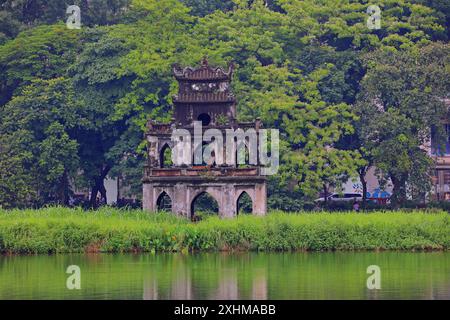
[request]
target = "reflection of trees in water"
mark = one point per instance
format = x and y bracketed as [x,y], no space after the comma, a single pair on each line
[334,275]
[297,276]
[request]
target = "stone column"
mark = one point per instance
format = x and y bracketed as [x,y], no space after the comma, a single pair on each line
[227,205]
[148,201]
[153,156]
[180,200]
[260,201]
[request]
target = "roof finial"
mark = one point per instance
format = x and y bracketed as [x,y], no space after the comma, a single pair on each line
[205,61]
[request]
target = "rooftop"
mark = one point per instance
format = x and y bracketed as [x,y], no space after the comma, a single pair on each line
[202,73]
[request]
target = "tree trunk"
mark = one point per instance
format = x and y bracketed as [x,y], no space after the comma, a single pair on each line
[362,179]
[399,191]
[99,186]
[325,194]
[63,191]
[93,199]
[118,189]
[102,191]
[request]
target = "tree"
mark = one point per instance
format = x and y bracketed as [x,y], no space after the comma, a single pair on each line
[355,142]
[38,122]
[98,87]
[342,23]
[284,94]
[400,102]
[45,52]
[300,67]
[442,12]
[315,130]
[57,162]
[154,42]
[20,15]
[205,7]
[16,179]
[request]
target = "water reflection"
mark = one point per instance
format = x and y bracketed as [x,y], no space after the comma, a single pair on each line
[183,287]
[228,285]
[228,276]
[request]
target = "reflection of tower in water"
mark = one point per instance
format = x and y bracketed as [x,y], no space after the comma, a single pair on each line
[181,287]
[150,291]
[259,284]
[228,285]
[181,281]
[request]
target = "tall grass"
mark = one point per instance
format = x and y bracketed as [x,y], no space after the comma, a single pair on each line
[58,229]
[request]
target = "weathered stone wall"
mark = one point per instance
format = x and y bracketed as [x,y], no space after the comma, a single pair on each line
[226,194]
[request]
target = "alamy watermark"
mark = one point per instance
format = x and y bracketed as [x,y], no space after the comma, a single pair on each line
[374,20]
[74,19]
[73,282]
[374,280]
[238,147]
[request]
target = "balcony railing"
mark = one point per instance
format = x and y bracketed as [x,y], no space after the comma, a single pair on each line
[201,171]
[203,97]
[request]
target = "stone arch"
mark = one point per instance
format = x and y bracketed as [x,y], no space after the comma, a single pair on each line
[202,147]
[198,194]
[241,196]
[165,153]
[250,157]
[164,202]
[246,155]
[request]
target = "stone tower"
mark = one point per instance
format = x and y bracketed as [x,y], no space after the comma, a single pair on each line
[205,98]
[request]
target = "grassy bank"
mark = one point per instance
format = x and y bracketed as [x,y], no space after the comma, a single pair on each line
[111,230]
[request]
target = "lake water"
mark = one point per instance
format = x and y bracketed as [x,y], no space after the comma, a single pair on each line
[338,275]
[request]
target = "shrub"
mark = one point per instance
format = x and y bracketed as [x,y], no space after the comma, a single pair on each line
[112,230]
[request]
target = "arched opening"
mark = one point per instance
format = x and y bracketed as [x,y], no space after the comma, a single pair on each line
[164,203]
[165,157]
[241,145]
[211,160]
[204,118]
[203,205]
[244,204]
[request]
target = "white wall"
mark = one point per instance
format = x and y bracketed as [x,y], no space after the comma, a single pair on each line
[111,190]
[373,187]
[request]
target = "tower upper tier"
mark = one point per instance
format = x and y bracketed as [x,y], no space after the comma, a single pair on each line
[203,84]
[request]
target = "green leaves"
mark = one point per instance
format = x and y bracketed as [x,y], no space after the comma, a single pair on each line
[44,52]
[399,104]
[38,122]
[57,154]
[300,66]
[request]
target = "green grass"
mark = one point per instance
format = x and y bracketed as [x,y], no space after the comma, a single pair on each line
[57,229]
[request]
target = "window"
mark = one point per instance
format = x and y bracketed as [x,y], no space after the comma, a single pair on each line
[165,157]
[352,195]
[164,203]
[204,204]
[204,118]
[244,204]
[436,149]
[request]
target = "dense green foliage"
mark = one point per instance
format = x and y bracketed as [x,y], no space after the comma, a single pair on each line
[312,69]
[408,87]
[107,230]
